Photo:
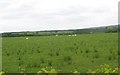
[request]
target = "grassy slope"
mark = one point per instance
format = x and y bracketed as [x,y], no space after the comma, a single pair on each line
[81,52]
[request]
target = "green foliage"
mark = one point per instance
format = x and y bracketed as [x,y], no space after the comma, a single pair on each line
[50,72]
[2,73]
[67,58]
[105,68]
[64,53]
[111,29]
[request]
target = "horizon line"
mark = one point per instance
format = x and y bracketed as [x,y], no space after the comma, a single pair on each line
[57,29]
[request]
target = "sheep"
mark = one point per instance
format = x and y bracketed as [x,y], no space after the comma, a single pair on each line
[27,38]
[69,35]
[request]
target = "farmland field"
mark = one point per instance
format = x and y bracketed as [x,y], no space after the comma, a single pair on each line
[64,53]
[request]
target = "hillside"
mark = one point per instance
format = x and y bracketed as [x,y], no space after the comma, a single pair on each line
[106,29]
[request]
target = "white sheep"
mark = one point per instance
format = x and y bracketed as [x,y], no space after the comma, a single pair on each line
[27,38]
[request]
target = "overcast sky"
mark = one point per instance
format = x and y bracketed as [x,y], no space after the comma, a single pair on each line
[33,15]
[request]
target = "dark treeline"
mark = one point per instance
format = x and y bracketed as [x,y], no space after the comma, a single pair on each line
[105,29]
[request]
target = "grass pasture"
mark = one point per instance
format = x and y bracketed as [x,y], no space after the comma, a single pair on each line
[64,53]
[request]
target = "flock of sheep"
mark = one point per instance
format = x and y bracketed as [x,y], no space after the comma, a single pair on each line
[69,35]
[55,35]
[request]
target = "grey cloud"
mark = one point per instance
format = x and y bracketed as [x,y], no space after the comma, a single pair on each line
[72,16]
[79,11]
[4,4]
[17,13]
[78,19]
[28,11]
[69,11]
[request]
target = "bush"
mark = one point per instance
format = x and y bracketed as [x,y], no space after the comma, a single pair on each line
[50,63]
[44,70]
[67,58]
[96,56]
[109,58]
[57,53]
[2,73]
[106,69]
[87,51]
[51,71]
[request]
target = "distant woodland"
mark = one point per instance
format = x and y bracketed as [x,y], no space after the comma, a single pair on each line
[105,29]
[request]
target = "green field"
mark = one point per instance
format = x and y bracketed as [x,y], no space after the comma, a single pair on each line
[64,53]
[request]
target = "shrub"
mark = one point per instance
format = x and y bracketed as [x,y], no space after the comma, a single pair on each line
[2,73]
[38,51]
[96,56]
[19,58]
[67,58]
[81,51]
[51,54]
[119,53]
[57,53]
[87,51]
[50,63]
[8,54]
[44,70]
[76,52]
[109,58]
[106,69]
